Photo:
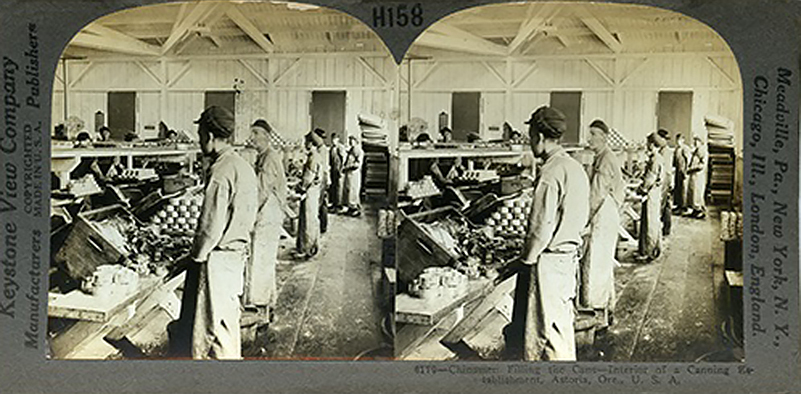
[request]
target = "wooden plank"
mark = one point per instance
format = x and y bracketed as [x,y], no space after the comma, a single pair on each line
[415,342]
[482,309]
[83,39]
[161,295]
[81,306]
[461,44]
[430,311]
[487,340]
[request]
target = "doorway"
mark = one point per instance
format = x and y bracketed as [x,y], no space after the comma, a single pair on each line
[569,103]
[328,113]
[674,113]
[221,98]
[121,109]
[466,110]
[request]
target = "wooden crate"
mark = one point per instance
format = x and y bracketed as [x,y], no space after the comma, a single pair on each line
[416,250]
[86,247]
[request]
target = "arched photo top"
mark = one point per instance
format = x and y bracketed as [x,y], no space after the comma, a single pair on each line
[577,28]
[221,28]
[639,68]
[135,69]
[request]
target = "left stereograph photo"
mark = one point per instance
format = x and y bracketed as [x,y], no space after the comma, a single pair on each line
[219,186]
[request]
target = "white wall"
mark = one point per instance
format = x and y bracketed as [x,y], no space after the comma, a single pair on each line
[277,89]
[622,90]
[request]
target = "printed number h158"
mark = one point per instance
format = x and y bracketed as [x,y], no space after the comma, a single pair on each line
[400,15]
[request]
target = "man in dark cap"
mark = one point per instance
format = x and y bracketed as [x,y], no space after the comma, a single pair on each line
[650,245]
[607,192]
[223,236]
[543,308]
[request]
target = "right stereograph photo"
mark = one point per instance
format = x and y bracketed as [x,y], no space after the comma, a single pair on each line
[569,181]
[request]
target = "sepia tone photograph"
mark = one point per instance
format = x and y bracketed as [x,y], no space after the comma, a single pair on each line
[220,180]
[570,188]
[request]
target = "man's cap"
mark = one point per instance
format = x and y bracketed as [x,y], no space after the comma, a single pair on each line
[657,140]
[219,120]
[314,138]
[320,132]
[550,121]
[663,133]
[600,125]
[261,123]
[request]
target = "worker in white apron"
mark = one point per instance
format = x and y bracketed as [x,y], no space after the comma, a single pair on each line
[353,176]
[309,189]
[607,192]
[650,240]
[260,276]
[697,183]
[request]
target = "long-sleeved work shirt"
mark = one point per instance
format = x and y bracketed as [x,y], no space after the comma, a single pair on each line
[606,179]
[681,158]
[229,206]
[698,159]
[654,175]
[312,170]
[560,207]
[272,178]
[337,158]
[354,158]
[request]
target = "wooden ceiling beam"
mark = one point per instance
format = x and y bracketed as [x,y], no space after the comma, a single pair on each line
[468,38]
[528,29]
[599,30]
[111,44]
[198,13]
[250,29]
[459,44]
[127,43]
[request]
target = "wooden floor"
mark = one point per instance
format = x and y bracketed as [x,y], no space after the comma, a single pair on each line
[675,308]
[328,307]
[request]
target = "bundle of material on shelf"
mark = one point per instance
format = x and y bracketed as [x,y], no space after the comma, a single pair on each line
[373,129]
[720,131]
